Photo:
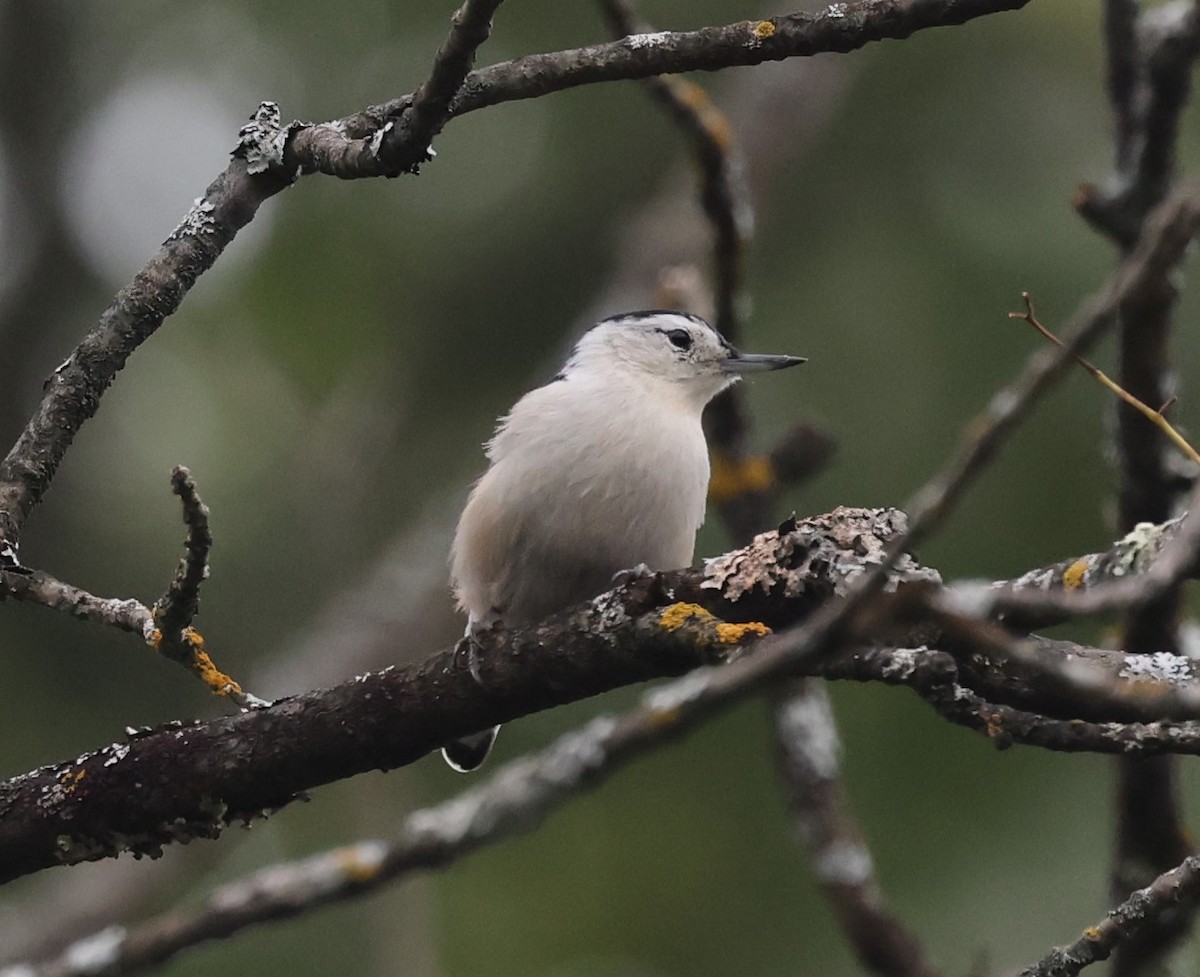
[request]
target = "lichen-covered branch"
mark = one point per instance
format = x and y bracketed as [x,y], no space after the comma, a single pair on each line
[177,608]
[1165,895]
[405,145]
[191,780]
[167,627]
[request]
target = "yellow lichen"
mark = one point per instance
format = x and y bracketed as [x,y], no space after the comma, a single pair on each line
[764,29]
[70,780]
[354,867]
[1072,577]
[733,478]
[1091,933]
[202,665]
[677,615]
[735,634]
[662,718]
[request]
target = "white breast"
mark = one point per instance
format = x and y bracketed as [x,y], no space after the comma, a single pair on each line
[585,481]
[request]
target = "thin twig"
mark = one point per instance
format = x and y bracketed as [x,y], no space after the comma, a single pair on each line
[1180,885]
[1168,232]
[1156,417]
[177,608]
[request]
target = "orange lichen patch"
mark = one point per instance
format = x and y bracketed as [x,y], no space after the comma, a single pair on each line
[354,867]
[1091,933]
[202,665]
[764,29]
[70,779]
[662,718]
[190,651]
[1072,577]
[677,615]
[735,634]
[731,479]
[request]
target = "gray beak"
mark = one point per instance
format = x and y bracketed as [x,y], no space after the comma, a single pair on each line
[758,362]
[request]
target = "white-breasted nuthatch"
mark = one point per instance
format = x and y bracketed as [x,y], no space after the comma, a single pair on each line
[602,469]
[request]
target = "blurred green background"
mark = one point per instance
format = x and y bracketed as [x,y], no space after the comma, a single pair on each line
[330,383]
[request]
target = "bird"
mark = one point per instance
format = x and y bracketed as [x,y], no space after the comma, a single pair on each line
[602,469]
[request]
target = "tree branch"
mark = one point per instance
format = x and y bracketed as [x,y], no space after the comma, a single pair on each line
[1126,921]
[191,780]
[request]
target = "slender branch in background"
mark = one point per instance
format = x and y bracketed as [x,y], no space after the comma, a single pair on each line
[1169,894]
[723,191]
[808,752]
[1151,53]
[1150,57]
[1123,76]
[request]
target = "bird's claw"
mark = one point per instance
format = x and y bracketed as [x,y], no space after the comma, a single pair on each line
[623,578]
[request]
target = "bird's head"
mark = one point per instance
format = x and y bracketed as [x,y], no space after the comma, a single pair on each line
[661,347]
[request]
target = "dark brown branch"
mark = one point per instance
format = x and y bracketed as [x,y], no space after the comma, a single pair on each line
[405,145]
[1123,75]
[177,608]
[1163,897]
[840,28]
[188,781]
[1150,60]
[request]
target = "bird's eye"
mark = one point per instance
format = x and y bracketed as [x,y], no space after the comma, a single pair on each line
[680,338]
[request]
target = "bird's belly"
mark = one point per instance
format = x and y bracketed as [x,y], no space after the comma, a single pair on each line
[579,532]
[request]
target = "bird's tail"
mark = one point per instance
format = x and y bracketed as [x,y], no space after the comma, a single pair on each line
[468,753]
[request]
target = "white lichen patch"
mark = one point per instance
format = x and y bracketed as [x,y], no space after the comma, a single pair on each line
[262,140]
[1161,666]
[902,663]
[96,953]
[380,135]
[637,41]
[970,598]
[117,752]
[844,863]
[679,693]
[809,735]
[198,221]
